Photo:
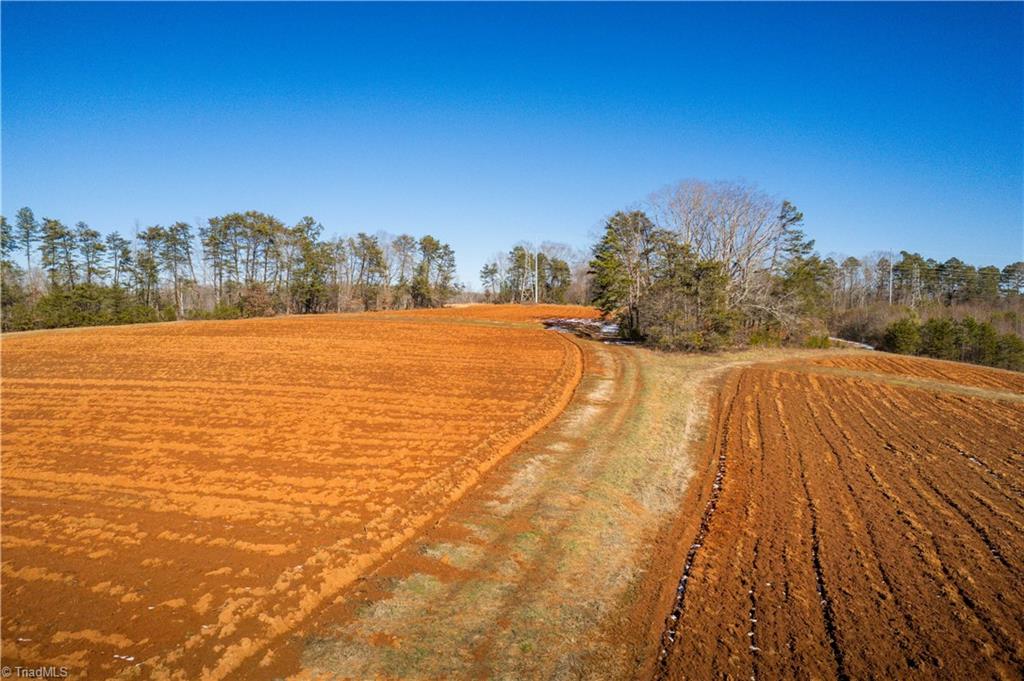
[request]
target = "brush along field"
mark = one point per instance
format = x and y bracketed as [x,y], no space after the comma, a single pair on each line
[175,497]
[858,516]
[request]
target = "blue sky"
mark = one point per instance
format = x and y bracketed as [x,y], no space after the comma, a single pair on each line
[892,126]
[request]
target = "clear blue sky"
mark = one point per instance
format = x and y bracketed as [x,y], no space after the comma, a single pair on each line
[889,125]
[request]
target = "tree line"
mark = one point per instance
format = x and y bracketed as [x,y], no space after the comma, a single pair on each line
[235,265]
[964,340]
[550,273]
[698,266]
[701,266]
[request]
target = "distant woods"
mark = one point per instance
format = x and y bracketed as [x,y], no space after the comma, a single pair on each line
[702,266]
[699,266]
[236,265]
[550,273]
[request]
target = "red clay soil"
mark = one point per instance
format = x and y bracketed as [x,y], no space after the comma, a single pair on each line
[915,367]
[853,528]
[506,312]
[175,496]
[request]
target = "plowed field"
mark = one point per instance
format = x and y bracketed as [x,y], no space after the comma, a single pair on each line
[861,516]
[177,496]
[933,370]
[514,313]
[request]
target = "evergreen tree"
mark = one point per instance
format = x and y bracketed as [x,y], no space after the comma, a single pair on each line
[621,266]
[556,278]
[903,337]
[175,254]
[27,233]
[119,251]
[8,244]
[434,282]
[1011,279]
[57,248]
[940,339]
[91,248]
[805,278]
[489,280]
[147,265]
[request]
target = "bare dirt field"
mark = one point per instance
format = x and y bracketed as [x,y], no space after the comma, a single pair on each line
[510,313]
[857,516]
[957,373]
[177,496]
[306,498]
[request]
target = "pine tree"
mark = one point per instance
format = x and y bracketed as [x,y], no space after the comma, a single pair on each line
[28,233]
[91,248]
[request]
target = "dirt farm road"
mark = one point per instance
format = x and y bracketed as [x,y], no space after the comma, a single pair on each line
[542,570]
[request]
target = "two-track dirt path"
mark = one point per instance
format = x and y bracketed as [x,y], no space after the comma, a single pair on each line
[544,569]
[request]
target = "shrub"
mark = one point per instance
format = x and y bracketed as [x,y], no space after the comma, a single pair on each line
[903,337]
[255,301]
[20,317]
[1010,352]
[818,342]
[219,311]
[978,341]
[765,337]
[136,314]
[801,332]
[940,338]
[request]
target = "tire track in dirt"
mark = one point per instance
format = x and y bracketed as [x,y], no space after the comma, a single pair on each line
[495,518]
[827,608]
[672,624]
